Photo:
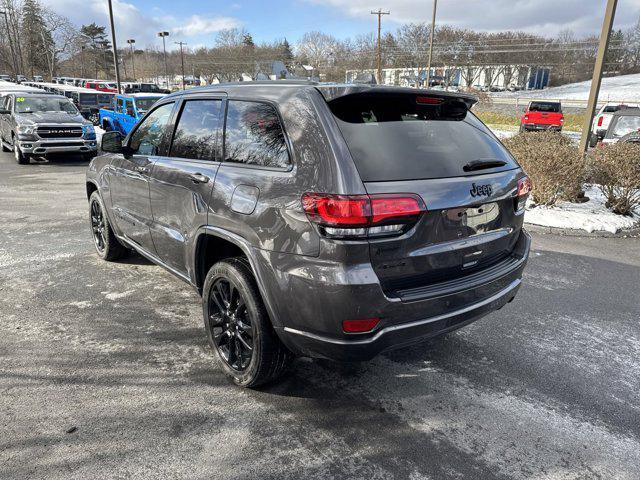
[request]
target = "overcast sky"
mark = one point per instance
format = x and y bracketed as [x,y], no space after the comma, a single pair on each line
[197,22]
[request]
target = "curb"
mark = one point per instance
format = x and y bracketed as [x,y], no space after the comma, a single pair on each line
[572,232]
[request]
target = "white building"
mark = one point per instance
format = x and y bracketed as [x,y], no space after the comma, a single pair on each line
[486,77]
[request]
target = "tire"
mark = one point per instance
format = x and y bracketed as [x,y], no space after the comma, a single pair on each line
[87,157]
[245,322]
[107,245]
[593,140]
[522,130]
[4,146]
[20,157]
[107,127]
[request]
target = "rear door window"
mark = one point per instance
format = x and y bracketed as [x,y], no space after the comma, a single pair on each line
[254,135]
[196,133]
[393,137]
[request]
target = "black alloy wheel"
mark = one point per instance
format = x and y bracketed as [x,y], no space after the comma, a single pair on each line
[231,324]
[98,226]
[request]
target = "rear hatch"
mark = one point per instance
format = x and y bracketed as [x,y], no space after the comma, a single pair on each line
[432,146]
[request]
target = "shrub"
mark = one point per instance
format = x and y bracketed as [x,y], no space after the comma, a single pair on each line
[616,168]
[553,163]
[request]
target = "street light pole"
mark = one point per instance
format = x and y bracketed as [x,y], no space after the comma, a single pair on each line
[115,47]
[131,43]
[181,60]
[163,35]
[433,28]
[609,15]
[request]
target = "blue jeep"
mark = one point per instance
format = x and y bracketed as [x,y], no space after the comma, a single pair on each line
[126,110]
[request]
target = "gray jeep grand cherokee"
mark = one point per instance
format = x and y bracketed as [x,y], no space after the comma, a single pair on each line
[332,221]
[42,124]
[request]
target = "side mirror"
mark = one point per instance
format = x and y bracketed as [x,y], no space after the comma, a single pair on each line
[112,142]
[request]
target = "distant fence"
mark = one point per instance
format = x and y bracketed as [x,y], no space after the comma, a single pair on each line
[524,101]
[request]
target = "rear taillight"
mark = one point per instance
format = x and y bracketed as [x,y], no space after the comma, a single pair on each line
[524,189]
[600,120]
[526,118]
[361,216]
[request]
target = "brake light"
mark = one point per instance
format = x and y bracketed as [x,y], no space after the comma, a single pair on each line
[359,326]
[600,120]
[428,100]
[349,216]
[525,186]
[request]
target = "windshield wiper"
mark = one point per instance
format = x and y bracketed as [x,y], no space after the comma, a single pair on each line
[483,164]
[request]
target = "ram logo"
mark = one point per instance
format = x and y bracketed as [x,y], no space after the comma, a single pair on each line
[480,190]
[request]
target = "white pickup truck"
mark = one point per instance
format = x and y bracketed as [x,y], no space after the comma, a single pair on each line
[602,120]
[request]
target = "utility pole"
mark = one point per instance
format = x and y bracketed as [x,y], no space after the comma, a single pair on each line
[379,13]
[181,60]
[433,29]
[13,55]
[609,15]
[163,35]
[115,47]
[82,48]
[131,43]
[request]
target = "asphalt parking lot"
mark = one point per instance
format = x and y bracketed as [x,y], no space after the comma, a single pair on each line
[105,371]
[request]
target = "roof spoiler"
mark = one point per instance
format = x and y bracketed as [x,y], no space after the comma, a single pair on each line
[332,92]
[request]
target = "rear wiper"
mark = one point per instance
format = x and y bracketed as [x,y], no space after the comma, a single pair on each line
[483,164]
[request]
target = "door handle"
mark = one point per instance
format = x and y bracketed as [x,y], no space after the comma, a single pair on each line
[199,178]
[141,169]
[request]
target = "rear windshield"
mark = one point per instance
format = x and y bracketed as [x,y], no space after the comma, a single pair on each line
[552,107]
[89,98]
[392,137]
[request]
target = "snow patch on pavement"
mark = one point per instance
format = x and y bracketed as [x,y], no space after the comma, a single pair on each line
[590,216]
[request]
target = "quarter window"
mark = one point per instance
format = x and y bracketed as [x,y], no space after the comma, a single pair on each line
[146,140]
[254,135]
[195,135]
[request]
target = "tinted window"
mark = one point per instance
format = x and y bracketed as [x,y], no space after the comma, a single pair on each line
[195,135]
[254,135]
[393,137]
[147,139]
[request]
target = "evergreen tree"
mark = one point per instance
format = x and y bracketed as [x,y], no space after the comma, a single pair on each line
[247,40]
[99,48]
[287,54]
[36,38]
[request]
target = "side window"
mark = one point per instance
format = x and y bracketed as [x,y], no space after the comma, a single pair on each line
[119,104]
[147,138]
[254,135]
[130,111]
[195,135]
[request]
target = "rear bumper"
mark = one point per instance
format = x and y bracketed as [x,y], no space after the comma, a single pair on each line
[395,336]
[311,311]
[540,127]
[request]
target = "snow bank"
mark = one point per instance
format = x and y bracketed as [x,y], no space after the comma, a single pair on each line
[623,87]
[589,216]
